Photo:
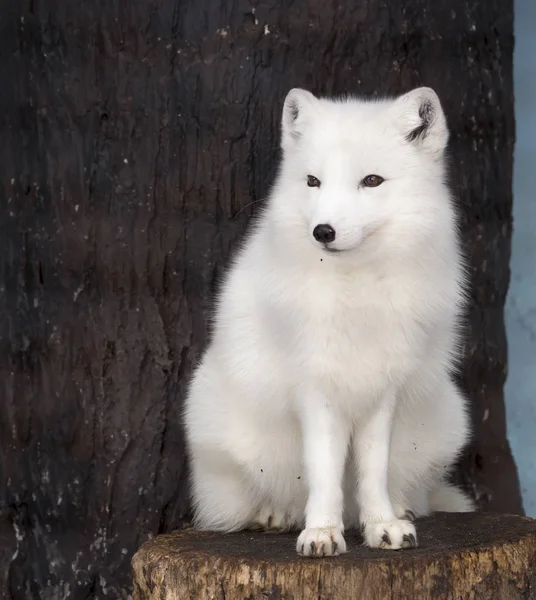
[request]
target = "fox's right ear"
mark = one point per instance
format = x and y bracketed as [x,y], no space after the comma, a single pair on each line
[299,104]
[422,120]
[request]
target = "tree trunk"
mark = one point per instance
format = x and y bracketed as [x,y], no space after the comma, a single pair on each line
[137,139]
[487,557]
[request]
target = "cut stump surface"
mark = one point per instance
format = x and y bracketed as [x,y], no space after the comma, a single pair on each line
[460,557]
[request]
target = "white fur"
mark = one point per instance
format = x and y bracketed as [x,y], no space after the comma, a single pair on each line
[325,397]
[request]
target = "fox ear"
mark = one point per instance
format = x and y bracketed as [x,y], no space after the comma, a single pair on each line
[298,107]
[422,120]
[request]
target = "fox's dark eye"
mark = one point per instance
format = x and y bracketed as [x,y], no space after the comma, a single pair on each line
[312,181]
[373,180]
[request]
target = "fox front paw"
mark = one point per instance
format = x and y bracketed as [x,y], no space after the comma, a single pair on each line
[317,542]
[390,535]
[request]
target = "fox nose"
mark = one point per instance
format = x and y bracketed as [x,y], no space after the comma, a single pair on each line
[324,233]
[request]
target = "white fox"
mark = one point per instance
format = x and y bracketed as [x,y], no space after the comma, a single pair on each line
[325,397]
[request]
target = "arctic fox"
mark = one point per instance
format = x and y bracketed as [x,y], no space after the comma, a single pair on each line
[325,397]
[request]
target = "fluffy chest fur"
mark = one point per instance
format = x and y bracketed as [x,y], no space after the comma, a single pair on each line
[351,331]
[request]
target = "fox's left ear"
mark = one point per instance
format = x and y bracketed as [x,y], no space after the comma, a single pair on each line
[422,120]
[299,106]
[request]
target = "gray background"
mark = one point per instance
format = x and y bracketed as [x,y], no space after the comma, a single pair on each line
[521,302]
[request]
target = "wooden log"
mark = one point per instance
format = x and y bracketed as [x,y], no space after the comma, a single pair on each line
[460,556]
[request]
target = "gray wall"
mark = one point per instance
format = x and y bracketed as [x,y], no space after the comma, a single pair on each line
[521,303]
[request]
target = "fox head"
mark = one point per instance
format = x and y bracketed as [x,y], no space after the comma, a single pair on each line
[352,168]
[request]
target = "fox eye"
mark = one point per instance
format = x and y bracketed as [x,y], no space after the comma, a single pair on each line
[373,180]
[312,181]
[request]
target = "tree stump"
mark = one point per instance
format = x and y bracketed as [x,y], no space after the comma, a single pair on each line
[460,556]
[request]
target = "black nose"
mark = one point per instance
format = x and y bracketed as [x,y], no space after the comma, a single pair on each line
[324,233]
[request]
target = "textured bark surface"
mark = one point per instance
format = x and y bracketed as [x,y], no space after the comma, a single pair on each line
[137,140]
[488,557]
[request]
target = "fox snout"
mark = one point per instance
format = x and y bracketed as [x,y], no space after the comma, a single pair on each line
[324,233]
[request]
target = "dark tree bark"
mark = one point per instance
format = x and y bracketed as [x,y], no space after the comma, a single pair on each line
[137,140]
